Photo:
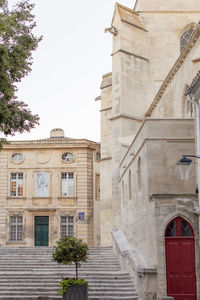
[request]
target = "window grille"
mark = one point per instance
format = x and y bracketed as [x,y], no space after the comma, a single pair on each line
[17,184]
[67,226]
[17,157]
[67,184]
[67,157]
[16,228]
[179,227]
[98,156]
[185,38]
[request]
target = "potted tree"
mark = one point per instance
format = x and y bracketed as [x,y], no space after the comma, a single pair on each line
[70,250]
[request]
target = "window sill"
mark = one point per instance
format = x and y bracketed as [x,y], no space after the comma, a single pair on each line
[64,197]
[15,242]
[13,197]
[40,197]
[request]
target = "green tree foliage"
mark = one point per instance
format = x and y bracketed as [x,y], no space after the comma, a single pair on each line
[70,250]
[16,45]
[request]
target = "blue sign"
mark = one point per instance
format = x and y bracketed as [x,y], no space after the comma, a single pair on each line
[81,215]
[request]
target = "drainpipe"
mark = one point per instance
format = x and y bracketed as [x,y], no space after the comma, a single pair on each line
[197,104]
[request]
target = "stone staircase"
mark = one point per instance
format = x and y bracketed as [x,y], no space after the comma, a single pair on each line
[26,273]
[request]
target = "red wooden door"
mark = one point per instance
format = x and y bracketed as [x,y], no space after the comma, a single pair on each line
[180,260]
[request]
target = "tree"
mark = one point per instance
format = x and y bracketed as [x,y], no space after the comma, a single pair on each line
[70,250]
[16,45]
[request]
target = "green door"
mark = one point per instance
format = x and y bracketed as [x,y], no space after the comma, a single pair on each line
[41,231]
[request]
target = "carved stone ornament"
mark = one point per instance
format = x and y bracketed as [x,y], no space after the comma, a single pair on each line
[42,157]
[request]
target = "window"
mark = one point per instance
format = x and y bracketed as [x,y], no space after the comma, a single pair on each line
[185,38]
[17,157]
[98,156]
[16,228]
[187,107]
[16,184]
[97,186]
[129,185]
[179,227]
[67,157]
[67,184]
[139,174]
[67,226]
[42,185]
[123,192]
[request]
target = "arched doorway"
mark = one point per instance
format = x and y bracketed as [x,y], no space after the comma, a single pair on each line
[180,260]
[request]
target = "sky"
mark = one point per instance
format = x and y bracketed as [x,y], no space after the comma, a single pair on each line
[68,66]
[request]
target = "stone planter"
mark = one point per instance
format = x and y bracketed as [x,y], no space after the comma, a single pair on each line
[77,292]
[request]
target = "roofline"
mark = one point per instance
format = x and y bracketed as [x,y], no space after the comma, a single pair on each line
[51,143]
[124,7]
[136,2]
[127,8]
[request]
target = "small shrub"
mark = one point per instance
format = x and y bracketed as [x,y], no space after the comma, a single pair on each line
[67,282]
[70,250]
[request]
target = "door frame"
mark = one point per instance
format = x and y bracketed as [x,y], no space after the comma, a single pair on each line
[35,230]
[179,237]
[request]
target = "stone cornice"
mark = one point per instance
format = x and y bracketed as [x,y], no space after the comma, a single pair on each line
[51,143]
[126,116]
[105,109]
[106,80]
[134,25]
[173,71]
[153,197]
[130,53]
[106,158]
[169,11]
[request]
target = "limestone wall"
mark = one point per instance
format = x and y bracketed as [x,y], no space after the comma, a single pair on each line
[46,157]
[173,103]
[149,170]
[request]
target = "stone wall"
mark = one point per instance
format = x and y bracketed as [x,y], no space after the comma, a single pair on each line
[149,169]
[45,156]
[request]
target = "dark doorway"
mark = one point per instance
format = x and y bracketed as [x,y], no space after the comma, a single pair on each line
[41,231]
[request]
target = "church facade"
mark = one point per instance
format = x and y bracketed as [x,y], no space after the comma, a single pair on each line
[49,189]
[148,212]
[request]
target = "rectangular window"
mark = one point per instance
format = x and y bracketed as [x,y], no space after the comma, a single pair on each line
[16,228]
[42,185]
[16,185]
[67,184]
[67,226]
[97,186]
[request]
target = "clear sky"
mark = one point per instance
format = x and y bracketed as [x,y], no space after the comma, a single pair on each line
[68,66]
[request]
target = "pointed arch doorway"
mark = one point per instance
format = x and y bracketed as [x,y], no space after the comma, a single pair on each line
[180,260]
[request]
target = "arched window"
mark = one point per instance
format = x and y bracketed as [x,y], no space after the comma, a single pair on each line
[185,38]
[187,107]
[178,227]
[139,173]
[129,185]
[123,192]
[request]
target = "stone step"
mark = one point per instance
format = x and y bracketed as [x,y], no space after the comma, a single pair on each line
[103,275]
[34,297]
[54,287]
[43,292]
[4,285]
[26,273]
[50,261]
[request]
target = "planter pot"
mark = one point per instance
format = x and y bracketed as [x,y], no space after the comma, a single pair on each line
[77,292]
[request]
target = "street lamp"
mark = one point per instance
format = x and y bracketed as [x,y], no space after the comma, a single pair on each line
[184,165]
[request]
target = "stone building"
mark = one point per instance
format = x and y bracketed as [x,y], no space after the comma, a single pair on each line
[49,189]
[147,212]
